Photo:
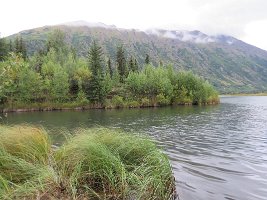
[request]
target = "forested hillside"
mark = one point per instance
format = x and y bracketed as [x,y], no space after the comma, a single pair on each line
[56,77]
[231,65]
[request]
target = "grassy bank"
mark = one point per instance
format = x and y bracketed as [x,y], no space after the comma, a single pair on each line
[116,102]
[92,164]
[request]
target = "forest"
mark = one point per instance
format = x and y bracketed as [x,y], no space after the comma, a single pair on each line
[55,77]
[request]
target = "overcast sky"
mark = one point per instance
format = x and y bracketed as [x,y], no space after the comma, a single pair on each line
[244,19]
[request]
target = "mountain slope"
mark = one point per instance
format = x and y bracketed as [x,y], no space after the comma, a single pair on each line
[228,63]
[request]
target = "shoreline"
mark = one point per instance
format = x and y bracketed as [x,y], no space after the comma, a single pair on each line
[244,94]
[89,107]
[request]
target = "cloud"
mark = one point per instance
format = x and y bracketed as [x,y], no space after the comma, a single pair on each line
[244,19]
[255,33]
[221,17]
[231,17]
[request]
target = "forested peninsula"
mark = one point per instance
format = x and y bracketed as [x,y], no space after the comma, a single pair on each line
[55,78]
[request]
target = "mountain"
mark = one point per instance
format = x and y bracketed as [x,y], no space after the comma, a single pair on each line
[231,65]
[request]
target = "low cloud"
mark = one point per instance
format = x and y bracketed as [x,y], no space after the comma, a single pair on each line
[231,17]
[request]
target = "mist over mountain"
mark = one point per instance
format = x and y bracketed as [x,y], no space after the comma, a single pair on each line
[231,65]
[88,24]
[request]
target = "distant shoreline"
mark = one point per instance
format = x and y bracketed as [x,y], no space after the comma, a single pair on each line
[89,107]
[244,94]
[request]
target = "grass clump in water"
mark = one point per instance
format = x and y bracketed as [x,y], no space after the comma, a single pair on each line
[92,164]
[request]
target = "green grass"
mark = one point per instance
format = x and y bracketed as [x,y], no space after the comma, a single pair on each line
[93,164]
[116,102]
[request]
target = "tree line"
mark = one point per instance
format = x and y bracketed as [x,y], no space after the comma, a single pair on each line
[18,46]
[56,75]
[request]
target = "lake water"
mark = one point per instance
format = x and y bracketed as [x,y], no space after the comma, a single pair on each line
[217,152]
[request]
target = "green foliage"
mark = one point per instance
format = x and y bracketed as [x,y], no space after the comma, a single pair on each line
[147,60]
[4,49]
[55,78]
[121,63]
[229,68]
[110,70]
[193,89]
[162,100]
[96,90]
[58,77]
[117,101]
[135,65]
[60,85]
[150,82]
[81,98]
[79,74]
[145,102]
[56,41]
[29,85]
[132,104]
[11,75]
[20,47]
[108,83]
[131,65]
[164,86]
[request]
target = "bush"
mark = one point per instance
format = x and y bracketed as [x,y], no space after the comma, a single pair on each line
[162,100]
[81,98]
[117,101]
[145,102]
[133,104]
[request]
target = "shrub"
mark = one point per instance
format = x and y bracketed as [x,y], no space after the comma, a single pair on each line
[162,100]
[133,104]
[145,102]
[81,98]
[117,101]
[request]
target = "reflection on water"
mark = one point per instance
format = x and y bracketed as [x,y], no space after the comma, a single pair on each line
[217,152]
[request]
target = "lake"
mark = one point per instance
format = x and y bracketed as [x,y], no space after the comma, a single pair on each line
[217,152]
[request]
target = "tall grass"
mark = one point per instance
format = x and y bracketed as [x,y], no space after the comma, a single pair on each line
[92,164]
[24,158]
[28,143]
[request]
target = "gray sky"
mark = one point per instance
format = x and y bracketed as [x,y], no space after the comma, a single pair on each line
[244,19]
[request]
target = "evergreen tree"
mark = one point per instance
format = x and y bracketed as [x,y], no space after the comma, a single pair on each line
[20,47]
[17,47]
[56,40]
[147,60]
[3,49]
[23,50]
[131,64]
[160,63]
[121,63]
[10,46]
[95,90]
[74,87]
[135,65]
[74,53]
[37,60]
[110,68]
